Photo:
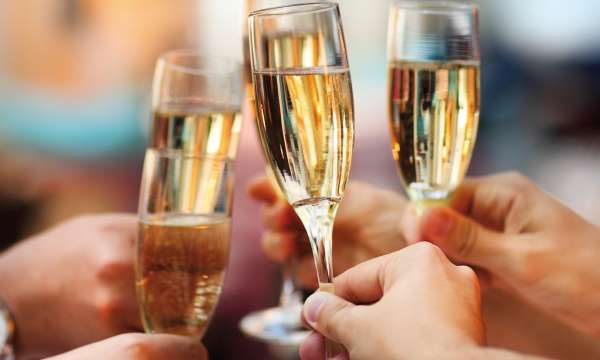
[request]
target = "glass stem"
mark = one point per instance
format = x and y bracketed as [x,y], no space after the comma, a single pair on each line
[291,297]
[317,216]
[321,244]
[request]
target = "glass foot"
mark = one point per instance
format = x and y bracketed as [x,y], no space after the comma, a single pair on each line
[275,326]
[425,197]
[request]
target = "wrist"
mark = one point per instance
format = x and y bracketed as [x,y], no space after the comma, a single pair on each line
[7,320]
[12,292]
[7,333]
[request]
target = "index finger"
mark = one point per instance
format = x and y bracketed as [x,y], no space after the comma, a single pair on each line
[487,200]
[175,347]
[364,283]
[262,190]
[134,345]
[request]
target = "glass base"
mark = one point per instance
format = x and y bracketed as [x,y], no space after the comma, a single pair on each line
[425,197]
[275,326]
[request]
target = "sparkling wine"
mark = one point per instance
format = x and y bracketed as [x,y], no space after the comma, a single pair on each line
[305,115]
[305,121]
[180,269]
[198,128]
[293,51]
[434,115]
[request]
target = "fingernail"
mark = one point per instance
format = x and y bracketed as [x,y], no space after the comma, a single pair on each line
[439,223]
[313,306]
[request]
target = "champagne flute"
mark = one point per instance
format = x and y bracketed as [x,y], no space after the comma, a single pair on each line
[183,242]
[280,325]
[305,114]
[186,192]
[433,95]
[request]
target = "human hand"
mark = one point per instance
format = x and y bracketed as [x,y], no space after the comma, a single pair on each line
[72,285]
[522,240]
[366,226]
[139,347]
[412,304]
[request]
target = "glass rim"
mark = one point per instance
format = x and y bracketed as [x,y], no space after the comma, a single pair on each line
[435,7]
[313,8]
[212,65]
[168,153]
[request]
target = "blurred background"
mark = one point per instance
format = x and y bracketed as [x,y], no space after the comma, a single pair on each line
[75,80]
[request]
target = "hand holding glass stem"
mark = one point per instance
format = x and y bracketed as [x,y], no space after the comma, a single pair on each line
[305,117]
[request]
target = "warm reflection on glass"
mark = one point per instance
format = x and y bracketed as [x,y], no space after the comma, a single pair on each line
[434,95]
[183,241]
[197,128]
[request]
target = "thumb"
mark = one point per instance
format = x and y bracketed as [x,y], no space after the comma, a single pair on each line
[331,316]
[464,240]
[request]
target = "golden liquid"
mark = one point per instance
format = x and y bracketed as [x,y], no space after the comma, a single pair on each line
[201,129]
[434,115]
[306,125]
[284,42]
[285,50]
[178,184]
[181,263]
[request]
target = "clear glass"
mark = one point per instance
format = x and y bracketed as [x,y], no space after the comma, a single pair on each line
[183,240]
[280,325]
[196,104]
[186,74]
[434,95]
[186,192]
[249,7]
[305,114]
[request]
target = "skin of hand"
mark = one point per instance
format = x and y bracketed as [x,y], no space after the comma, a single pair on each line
[366,226]
[72,285]
[412,304]
[139,347]
[522,240]
[393,306]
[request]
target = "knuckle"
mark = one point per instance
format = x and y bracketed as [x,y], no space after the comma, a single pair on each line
[136,346]
[468,274]
[467,240]
[265,216]
[110,266]
[267,241]
[427,251]
[530,265]
[273,246]
[108,308]
[519,181]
